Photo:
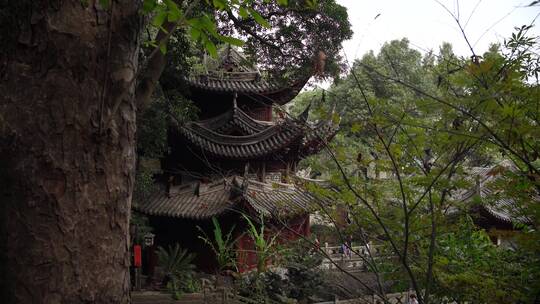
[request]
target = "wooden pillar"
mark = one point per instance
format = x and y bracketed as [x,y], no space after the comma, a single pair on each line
[307,230]
[240,257]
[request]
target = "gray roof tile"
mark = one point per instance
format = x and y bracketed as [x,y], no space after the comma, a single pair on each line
[272,199]
[262,138]
[504,209]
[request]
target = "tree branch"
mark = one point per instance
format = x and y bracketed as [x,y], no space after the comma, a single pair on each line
[155,64]
[497,139]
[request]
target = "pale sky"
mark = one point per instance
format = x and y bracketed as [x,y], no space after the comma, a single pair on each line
[427,24]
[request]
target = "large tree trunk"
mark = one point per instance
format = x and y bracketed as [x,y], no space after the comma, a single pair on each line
[66,151]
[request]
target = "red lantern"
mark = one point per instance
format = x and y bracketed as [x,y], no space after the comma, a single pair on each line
[137,256]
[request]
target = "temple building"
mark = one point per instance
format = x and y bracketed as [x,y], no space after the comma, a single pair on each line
[239,157]
[490,208]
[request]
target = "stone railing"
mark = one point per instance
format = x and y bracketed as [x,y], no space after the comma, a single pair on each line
[394,298]
[351,260]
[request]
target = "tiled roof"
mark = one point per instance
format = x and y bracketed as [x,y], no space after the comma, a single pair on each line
[185,203]
[502,208]
[198,201]
[225,84]
[263,138]
[234,119]
[268,141]
[279,199]
[232,73]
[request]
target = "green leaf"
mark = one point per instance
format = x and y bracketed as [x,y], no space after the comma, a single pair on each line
[195,33]
[174,13]
[149,6]
[507,110]
[243,12]
[208,25]
[163,48]
[231,40]
[312,4]
[104,3]
[211,48]
[336,118]
[171,5]
[356,127]
[173,16]
[159,18]
[163,29]
[195,23]
[258,18]
[219,4]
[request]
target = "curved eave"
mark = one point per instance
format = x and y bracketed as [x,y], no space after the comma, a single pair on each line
[272,199]
[318,136]
[280,202]
[231,86]
[188,205]
[275,138]
[272,91]
[269,141]
[234,118]
[501,210]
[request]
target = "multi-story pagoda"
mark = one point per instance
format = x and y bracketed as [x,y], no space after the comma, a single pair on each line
[238,158]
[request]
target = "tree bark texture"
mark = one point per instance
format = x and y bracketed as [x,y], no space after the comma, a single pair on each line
[67,149]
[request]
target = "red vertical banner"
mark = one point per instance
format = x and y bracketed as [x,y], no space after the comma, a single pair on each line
[137,256]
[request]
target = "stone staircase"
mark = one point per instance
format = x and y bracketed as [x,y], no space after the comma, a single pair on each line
[158,297]
[161,297]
